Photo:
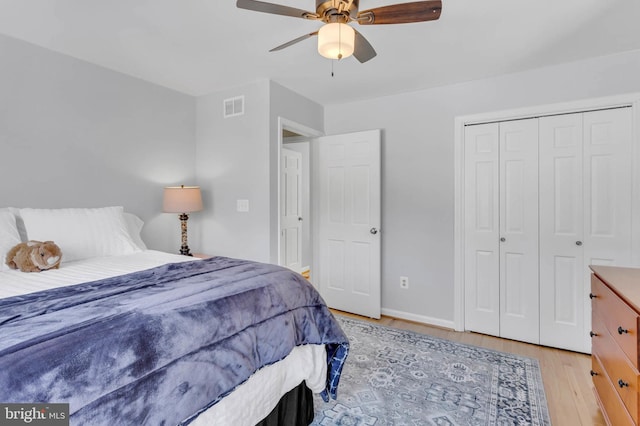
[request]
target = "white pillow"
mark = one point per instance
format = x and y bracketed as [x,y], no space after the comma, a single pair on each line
[19,224]
[134,226]
[81,233]
[9,236]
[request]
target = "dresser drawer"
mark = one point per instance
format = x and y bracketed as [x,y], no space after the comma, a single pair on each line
[622,374]
[618,318]
[610,403]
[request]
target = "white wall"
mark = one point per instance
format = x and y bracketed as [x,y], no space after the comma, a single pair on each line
[418,166]
[74,134]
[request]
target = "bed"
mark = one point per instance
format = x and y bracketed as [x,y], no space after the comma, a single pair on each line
[128,335]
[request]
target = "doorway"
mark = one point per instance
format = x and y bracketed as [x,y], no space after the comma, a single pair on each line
[329,214]
[295,242]
[295,235]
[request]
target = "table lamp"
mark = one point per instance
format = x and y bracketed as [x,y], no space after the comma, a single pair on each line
[184,200]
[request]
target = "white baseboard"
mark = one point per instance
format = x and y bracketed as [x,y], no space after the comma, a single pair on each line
[418,318]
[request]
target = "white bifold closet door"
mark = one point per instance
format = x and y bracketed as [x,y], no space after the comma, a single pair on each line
[544,199]
[501,229]
[519,296]
[585,215]
[482,229]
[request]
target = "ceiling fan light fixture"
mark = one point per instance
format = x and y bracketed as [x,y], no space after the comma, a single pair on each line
[336,40]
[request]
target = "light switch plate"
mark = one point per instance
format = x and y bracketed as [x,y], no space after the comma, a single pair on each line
[243,205]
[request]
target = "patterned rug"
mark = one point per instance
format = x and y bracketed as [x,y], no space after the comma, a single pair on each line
[397,377]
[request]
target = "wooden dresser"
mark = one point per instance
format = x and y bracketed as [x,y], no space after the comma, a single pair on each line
[615,310]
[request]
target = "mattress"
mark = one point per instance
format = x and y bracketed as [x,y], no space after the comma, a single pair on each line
[15,283]
[251,401]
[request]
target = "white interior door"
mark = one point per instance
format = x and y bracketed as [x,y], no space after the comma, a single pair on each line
[348,206]
[519,308]
[291,209]
[482,229]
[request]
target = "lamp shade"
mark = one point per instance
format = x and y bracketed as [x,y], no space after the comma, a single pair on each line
[336,40]
[182,199]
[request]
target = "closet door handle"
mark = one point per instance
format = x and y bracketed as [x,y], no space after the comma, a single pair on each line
[622,330]
[592,334]
[578,243]
[593,373]
[622,383]
[592,296]
[503,239]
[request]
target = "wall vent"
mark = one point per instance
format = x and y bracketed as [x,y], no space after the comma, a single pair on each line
[233,106]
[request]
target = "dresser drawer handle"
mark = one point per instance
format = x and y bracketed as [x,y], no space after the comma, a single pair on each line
[592,334]
[622,330]
[622,384]
[593,373]
[592,296]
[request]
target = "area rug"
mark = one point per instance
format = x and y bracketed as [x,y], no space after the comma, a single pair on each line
[397,377]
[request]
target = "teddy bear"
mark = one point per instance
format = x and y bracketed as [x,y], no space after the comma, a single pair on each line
[34,256]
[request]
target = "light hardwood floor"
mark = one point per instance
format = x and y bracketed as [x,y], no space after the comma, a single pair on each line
[565,374]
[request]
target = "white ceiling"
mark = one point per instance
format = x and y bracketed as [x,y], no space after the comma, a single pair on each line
[198,47]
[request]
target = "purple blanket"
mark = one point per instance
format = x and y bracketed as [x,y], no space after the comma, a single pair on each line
[159,346]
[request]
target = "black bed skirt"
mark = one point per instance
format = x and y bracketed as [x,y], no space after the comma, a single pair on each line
[294,409]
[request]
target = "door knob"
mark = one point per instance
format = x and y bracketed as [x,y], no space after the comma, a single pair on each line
[374,231]
[503,239]
[578,243]
[300,219]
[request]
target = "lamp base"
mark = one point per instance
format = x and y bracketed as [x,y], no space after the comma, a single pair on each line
[184,249]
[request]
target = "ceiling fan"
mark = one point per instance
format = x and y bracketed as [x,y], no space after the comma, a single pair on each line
[337,39]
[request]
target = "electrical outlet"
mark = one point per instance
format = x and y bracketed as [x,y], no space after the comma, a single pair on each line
[404,282]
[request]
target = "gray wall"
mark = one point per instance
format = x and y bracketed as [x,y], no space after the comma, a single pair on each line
[74,134]
[237,160]
[418,165]
[77,135]
[302,111]
[232,163]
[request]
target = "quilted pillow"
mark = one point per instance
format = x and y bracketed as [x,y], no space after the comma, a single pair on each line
[9,236]
[81,233]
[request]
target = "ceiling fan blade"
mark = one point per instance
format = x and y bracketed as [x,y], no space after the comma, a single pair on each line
[363,51]
[402,13]
[276,9]
[294,41]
